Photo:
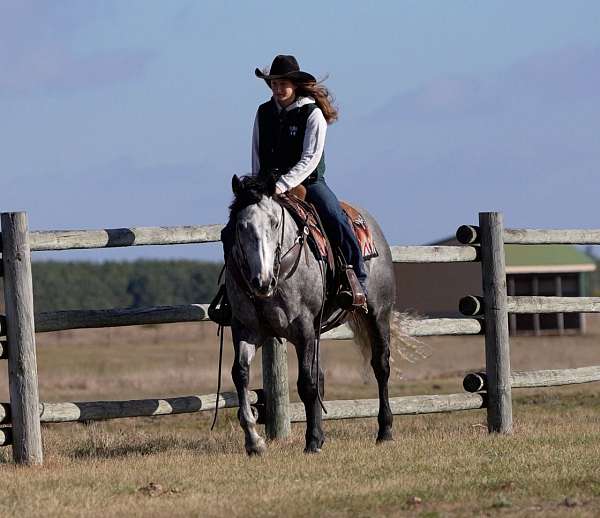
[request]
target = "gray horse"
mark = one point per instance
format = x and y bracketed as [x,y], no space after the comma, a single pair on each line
[266,304]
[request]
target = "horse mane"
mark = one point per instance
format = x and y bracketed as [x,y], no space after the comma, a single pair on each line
[249,190]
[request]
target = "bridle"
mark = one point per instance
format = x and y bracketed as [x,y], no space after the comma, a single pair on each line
[283,264]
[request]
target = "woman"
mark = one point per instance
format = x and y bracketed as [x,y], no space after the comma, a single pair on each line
[289,136]
[288,139]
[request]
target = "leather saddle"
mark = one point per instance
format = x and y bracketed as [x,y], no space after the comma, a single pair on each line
[342,282]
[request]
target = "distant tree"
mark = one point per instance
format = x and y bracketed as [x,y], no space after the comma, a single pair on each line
[87,285]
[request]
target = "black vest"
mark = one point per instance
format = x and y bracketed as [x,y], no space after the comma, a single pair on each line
[281,138]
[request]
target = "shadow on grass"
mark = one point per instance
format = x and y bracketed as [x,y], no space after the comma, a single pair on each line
[110,445]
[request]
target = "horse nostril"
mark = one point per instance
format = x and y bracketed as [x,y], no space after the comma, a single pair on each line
[272,283]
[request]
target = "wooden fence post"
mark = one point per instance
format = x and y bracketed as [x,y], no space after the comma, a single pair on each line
[22,366]
[277,393]
[497,347]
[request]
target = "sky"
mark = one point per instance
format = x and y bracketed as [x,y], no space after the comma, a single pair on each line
[137,113]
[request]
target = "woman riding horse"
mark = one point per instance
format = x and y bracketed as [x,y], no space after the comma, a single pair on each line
[288,140]
[272,292]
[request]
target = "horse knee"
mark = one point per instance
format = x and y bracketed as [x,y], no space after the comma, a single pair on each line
[240,375]
[307,386]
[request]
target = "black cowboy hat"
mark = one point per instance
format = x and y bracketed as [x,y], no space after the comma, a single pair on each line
[285,67]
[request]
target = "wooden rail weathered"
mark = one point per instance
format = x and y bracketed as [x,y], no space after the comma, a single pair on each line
[101,410]
[530,236]
[477,381]
[119,237]
[97,318]
[422,327]
[471,234]
[434,254]
[404,405]
[553,304]
[472,305]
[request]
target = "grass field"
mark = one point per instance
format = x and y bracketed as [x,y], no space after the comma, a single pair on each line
[439,465]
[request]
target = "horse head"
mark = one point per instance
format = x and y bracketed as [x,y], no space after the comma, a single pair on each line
[259,224]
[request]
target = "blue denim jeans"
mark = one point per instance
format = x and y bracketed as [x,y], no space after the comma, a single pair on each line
[336,225]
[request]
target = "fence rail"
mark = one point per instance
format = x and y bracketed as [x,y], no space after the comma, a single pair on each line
[82,411]
[405,405]
[477,381]
[118,237]
[434,254]
[471,234]
[51,321]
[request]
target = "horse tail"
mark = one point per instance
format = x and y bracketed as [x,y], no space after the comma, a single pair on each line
[403,346]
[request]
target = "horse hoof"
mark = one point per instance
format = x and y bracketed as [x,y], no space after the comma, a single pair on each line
[384,437]
[312,449]
[256,449]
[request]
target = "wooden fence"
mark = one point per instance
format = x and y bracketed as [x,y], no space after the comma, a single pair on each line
[486,315]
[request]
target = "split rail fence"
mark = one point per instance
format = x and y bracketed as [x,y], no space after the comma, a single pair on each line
[21,418]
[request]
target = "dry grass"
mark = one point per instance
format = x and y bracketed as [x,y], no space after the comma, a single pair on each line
[439,465]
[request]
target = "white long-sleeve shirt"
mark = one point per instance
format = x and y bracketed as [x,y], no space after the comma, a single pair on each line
[312,147]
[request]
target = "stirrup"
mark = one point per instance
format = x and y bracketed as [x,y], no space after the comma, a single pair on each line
[219,310]
[351,296]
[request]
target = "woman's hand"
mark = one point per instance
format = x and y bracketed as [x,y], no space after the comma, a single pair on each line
[278,190]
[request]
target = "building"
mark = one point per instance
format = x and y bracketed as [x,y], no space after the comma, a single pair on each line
[434,290]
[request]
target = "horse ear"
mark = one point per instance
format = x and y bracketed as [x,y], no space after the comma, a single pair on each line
[236,184]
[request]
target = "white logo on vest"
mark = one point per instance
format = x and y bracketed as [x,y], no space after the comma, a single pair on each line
[293,131]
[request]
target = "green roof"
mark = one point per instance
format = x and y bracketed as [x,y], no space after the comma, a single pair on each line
[545,255]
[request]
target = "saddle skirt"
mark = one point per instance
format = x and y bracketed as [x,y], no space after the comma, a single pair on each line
[305,214]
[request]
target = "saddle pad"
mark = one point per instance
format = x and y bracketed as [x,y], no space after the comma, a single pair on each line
[361,231]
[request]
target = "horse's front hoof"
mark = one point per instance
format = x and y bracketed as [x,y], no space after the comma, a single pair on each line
[312,449]
[257,448]
[384,437]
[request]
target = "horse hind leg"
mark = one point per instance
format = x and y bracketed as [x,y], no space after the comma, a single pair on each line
[372,331]
[240,372]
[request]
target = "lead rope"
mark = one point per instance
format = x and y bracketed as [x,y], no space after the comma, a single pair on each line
[220,334]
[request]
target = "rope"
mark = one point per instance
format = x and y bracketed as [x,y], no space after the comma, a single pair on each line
[220,334]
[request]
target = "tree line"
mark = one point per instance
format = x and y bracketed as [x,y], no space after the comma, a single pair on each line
[111,284]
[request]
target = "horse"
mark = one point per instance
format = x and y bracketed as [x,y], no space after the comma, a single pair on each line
[266,305]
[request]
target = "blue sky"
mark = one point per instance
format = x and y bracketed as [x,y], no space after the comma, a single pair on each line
[137,113]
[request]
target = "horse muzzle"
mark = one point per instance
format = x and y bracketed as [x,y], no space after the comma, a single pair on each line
[263,289]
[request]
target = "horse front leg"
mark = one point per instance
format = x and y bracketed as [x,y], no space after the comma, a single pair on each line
[308,392]
[245,349]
